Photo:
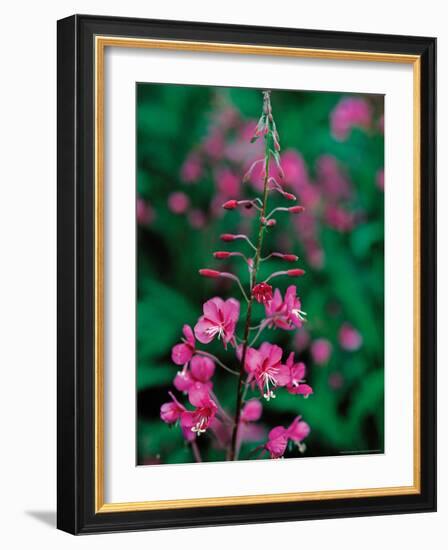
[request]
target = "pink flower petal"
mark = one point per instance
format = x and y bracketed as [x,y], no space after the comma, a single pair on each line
[252,411]
[181,354]
[202,368]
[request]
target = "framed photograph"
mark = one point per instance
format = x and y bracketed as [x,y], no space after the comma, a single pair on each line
[246,274]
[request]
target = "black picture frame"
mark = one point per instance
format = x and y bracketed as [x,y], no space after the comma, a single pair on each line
[76,301]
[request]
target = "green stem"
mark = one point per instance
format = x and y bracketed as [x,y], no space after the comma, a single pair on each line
[233,455]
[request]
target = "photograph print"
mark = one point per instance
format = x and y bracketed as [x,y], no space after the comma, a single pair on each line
[260,274]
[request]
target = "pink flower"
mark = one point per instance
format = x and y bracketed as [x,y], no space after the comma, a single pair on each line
[301,340]
[277,442]
[251,412]
[279,436]
[178,202]
[296,174]
[227,183]
[338,218]
[332,180]
[219,319]
[349,112]
[145,213]
[199,420]
[287,313]
[191,170]
[172,411]
[292,375]
[336,380]
[263,367]
[298,431]
[349,338]
[182,353]
[262,293]
[321,351]
[380,179]
[196,218]
[201,371]
[214,144]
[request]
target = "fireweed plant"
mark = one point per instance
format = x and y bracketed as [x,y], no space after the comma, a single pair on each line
[263,370]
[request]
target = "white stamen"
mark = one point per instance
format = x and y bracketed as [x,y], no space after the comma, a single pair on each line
[212,331]
[269,379]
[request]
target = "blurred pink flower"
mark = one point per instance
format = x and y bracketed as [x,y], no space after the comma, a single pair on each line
[219,319]
[339,218]
[294,168]
[321,351]
[228,183]
[350,112]
[336,380]
[213,145]
[292,375]
[191,170]
[349,338]
[228,117]
[301,340]
[251,412]
[196,218]
[178,202]
[145,213]
[333,182]
[380,179]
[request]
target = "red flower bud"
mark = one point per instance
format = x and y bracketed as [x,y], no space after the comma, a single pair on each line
[271,223]
[228,237]
[221,255]
[289,196]
[296,209]
[212,273]
[295,272]
[262,292]
[286,257]
[290,257]
[230,205]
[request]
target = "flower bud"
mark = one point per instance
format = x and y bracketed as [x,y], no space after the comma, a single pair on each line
[230,205]
[212,273]
[290,257]
[221,255]
[289,196]
[271,223]
[295,272]
[296,209]
[262,292]
[227,237]
[286,257]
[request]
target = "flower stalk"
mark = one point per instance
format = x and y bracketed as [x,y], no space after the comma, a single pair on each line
[261,230]
[261,369]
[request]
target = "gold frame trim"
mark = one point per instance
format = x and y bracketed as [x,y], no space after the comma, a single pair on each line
[101,42]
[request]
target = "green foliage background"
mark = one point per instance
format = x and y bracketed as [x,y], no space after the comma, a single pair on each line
[349,288]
